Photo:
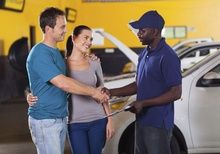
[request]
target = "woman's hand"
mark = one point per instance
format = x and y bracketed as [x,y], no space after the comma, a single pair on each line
[110,130]
[31,100]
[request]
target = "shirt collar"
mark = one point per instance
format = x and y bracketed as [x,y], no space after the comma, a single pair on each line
[159,46]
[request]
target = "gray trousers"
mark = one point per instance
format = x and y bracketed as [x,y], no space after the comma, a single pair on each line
[151,140]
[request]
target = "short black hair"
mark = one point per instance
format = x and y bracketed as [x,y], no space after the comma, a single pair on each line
[49,16]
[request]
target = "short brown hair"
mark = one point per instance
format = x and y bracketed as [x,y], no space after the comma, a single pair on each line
[48,17]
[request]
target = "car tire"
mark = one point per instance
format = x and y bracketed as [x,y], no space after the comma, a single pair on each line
[129,145]
[126,144]
[174,145]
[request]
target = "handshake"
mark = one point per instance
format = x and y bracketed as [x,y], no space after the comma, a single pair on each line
[102,94]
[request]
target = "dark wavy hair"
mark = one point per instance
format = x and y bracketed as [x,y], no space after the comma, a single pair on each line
[69,44]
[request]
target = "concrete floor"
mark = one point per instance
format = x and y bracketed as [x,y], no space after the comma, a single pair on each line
[17,148]
[22,148]
[14,132]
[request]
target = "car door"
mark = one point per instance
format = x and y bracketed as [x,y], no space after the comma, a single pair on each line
[204,106]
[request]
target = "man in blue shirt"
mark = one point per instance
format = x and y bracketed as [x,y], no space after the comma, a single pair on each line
[46,72]
[158,85]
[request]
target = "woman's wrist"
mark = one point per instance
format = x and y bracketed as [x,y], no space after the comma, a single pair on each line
[110,119]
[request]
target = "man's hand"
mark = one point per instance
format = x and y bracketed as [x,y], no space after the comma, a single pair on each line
[100,96]
[136,107]
[31,100]
[93,57]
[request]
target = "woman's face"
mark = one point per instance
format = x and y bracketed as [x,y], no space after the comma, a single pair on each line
[83,41]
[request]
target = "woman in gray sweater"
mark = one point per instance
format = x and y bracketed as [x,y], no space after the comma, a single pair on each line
[88,128]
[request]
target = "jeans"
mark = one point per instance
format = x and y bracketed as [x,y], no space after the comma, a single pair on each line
[151,140]
[87,137]
[48,135]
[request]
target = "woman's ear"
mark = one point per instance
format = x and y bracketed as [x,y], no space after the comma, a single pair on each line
[73,38]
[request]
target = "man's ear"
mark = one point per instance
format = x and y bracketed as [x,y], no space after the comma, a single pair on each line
[156,32]
[47,28]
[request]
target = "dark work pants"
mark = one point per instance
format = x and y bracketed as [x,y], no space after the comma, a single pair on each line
[151,140]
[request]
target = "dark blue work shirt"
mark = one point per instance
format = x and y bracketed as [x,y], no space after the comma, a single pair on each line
[158,70]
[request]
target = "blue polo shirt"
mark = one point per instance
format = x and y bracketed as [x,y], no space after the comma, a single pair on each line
[157,71]
[43,64]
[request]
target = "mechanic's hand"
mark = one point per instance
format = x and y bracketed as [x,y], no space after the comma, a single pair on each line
[31,100]
[106,91]
[136,107]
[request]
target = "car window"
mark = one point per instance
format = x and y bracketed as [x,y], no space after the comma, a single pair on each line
[204,52]
[191,58]
[211,78]
[213,74]
[192,54]
[217,71]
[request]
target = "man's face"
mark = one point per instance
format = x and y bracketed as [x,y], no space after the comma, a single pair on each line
[146,35]
[59,29]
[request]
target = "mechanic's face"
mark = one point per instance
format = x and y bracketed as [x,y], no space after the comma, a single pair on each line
[146,35]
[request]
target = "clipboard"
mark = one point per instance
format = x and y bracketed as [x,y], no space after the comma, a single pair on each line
[119,111]
[116,100]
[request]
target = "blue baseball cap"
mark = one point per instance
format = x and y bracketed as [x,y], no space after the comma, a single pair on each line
[150,19]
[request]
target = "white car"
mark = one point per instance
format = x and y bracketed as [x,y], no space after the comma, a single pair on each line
[189,42]
[197,113]
[195,53]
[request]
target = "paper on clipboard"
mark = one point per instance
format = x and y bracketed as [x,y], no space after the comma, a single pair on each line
[119,100]
[119,111]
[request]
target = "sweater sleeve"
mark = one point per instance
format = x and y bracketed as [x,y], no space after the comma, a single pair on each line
[99,74]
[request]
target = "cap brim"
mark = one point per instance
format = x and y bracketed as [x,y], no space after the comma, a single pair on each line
[134,24]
